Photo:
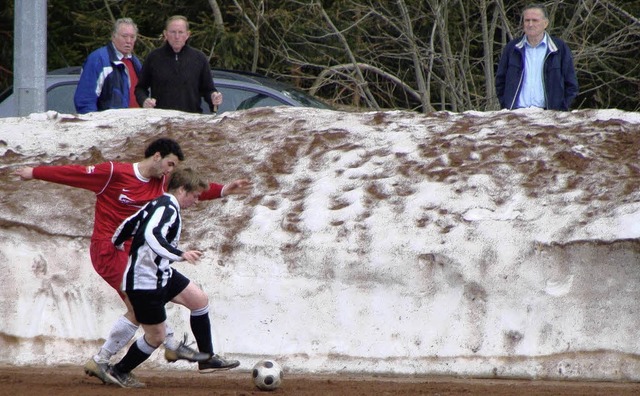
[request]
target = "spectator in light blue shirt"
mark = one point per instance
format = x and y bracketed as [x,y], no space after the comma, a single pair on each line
[532,92]
[537,69]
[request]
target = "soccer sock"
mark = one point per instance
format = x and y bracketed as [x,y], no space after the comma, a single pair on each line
[201,327]
[121,333]
[170,341]
[138,352]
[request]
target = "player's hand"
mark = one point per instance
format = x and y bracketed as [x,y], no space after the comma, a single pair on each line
[192,256]
[25,173]
[216,98]
[149,103]
[237,187]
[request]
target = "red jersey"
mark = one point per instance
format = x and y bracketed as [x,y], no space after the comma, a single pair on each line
[119,187]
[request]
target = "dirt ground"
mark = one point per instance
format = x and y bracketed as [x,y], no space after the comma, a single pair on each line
[71,381]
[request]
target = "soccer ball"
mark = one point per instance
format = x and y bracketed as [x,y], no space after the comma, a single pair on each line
[267,375]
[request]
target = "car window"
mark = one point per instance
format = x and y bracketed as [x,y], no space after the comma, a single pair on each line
[258,100]
[60,98]
[305,99]
[242,99]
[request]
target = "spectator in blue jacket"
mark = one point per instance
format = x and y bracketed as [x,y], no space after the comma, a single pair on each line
[110,73]
[537,69]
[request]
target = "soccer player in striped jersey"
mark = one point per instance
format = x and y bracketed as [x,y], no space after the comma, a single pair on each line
[121,189]
[151,282]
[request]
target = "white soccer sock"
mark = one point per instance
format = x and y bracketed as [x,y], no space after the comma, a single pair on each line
[121,333]
[169,340]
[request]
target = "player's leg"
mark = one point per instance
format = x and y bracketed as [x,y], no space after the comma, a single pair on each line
[194,298]
[120,373]
[110,263]
[148,306]
[176,284]
[121,333]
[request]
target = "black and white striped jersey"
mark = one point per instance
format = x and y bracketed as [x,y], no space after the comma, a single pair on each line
[155,230]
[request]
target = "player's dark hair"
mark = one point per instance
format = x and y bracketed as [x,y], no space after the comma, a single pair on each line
[188,179]
[164,146]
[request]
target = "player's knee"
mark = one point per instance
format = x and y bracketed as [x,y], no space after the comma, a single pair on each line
[201,299]
[131,317]
[204,298]
[200,304]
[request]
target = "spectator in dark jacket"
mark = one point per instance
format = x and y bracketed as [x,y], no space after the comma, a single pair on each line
[537,69]
[110,73]
[175,76]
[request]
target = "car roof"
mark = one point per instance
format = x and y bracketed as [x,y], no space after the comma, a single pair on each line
[66,70]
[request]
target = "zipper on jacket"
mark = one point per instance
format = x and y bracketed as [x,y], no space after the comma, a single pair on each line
[544,86]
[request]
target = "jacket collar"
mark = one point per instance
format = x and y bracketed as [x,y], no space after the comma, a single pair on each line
[115,56]
[551,45]
[170,50]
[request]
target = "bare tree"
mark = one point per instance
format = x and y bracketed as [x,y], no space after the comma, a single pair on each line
[432,54]
[217,14]
[254,26]
[414,50]
[422,55]
[359,78]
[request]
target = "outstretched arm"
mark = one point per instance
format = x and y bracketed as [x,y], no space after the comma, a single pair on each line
[93,178]
[237,187]
[25,173]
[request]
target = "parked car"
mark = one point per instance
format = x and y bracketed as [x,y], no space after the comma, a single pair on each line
[240,90]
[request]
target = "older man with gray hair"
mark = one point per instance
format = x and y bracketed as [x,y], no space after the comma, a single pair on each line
[536,70]
[110,73]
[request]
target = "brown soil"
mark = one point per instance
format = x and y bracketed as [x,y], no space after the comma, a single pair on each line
[71,381]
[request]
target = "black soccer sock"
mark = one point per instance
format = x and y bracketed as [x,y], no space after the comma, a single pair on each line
[201,327]
[135,355]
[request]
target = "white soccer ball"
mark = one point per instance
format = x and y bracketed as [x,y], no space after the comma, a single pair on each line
[267,375]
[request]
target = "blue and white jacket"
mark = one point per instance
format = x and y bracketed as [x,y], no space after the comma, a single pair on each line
[104,81]
[559,76]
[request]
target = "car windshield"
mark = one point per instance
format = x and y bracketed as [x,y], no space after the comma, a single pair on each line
[304,99]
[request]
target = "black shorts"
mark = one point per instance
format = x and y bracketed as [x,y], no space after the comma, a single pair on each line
[148,305]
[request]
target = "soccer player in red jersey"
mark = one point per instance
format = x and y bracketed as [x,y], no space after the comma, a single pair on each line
[121,190]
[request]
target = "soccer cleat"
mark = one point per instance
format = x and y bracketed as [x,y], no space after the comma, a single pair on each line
[217,363]
[95,369]
[183,352]
[123,380]
[133,382]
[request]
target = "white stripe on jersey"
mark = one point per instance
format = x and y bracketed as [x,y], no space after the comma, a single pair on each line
[154,245]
